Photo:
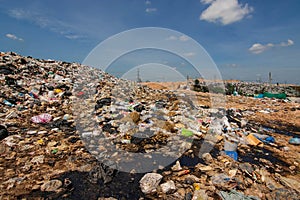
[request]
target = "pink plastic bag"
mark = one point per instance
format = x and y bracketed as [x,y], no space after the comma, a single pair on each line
[42,118]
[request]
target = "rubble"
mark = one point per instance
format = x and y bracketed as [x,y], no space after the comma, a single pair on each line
[150,181]
[51,186]
[168,187]
[49,149]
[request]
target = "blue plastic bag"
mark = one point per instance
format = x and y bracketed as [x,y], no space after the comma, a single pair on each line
[232,154]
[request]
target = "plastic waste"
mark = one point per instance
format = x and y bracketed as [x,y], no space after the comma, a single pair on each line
[265,138]
[81,93]
[196,186]
[42,118]
[258,96]
[125,141]
[33,95]
[8,103]
[66,116]
[19,106]
[54,151]
[269,139]
[253,140]
[230,145]
[183,172]
[234,195]
[58,77]
[186,132]
[35,91]
[51,94]
[200,194]
[232,154]
[220,178]
[295,141]
[40,142]
[57,91]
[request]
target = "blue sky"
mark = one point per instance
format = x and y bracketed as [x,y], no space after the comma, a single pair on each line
[245,38]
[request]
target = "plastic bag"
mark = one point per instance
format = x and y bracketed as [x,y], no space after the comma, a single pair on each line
[42,118]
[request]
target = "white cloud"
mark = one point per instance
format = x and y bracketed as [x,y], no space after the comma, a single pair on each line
[148,2]
[150,10]
[189,54]
[182,38]
[206,1]
[232,65]
[258,48]
[42,21]
[13,37]
[286,44]
[72,37]
[172,37]
[19,14]
[225,11]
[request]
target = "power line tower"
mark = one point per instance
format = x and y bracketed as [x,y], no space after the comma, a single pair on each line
[187,81]
[138,78]
[270,78]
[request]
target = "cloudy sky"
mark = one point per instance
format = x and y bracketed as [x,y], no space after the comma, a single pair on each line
[247,39]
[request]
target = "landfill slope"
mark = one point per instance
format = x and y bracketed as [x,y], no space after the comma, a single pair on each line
[61,123]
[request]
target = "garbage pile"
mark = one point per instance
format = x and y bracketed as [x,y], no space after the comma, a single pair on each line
[246,88]
[68,129]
